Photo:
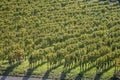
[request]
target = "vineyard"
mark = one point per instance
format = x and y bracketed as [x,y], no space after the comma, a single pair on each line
[64,39]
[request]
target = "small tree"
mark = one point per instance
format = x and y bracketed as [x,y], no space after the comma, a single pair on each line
[1,55]
[30,61]
[11,58]
[19,55]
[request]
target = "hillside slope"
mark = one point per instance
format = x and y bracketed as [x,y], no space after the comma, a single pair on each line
[59,38]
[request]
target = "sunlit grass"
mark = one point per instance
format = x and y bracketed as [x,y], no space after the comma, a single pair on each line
[108,74]
[40,71]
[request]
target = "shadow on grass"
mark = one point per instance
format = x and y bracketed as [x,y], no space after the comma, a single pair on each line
[63,74]
[30,71]
[8,70]
[98,76]
[80,75]
[49,70]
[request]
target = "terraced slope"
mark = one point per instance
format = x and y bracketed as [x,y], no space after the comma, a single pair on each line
[67,39]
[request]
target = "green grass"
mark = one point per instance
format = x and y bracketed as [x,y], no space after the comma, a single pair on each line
[40,71]
[107,75]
